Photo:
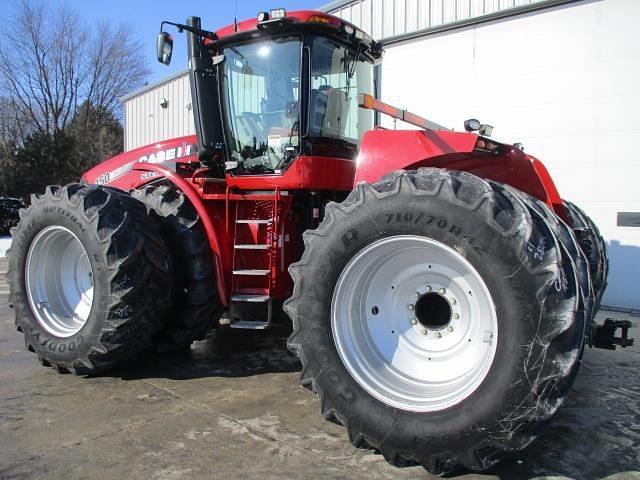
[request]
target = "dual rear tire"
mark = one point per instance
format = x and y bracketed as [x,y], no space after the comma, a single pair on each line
[594,248]
[97,276]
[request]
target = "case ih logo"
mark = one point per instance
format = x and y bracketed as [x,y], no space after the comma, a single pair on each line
[168,155]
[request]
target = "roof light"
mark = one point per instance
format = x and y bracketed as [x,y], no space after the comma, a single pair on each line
[278,13]
[326,19]
[360,34]
[263,17]
[348,29]
[472,125]
[486,130]
[319,19]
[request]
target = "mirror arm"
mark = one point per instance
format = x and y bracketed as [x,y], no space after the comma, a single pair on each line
[196,31]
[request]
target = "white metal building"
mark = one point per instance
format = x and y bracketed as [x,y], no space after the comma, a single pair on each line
[158,111]
[562,77]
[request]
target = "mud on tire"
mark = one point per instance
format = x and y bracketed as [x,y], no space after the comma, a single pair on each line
[130,276]
[532,282]
[195,307]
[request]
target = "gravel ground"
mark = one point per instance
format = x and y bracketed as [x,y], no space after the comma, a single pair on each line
[233,408]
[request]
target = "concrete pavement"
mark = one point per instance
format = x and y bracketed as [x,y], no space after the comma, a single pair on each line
[233,408]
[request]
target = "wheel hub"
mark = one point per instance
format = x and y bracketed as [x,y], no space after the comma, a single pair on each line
[433,311]
[59,281]
[414,323]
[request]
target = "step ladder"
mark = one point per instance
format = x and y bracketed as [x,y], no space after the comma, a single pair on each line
[254,257]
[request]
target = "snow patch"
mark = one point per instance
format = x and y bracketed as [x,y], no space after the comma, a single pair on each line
[5,243]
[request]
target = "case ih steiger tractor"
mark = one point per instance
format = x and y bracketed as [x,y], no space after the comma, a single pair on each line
[441,291]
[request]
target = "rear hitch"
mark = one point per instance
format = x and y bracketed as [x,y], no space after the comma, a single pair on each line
[603,336]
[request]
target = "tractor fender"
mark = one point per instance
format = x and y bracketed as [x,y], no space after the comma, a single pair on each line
[549,186]
[190,192]
[383,151]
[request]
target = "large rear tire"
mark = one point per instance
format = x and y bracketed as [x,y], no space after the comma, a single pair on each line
[435,317]
[195,307]
[89,277]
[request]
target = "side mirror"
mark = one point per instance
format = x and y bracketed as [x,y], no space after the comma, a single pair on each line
[164,47]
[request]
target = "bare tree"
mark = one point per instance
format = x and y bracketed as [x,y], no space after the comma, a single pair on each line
[51,64]
[9,136]
[60,80]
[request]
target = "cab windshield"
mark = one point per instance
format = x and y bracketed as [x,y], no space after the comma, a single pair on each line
[261,93]
[262,96]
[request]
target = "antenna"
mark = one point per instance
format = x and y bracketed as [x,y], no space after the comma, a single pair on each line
[235,18]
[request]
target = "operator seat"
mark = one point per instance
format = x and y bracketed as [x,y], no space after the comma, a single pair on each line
[325,112]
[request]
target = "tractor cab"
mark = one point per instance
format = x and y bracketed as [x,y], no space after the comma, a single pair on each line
[270,90]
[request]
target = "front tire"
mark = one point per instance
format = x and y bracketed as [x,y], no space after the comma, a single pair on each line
[88,278]
[511,296]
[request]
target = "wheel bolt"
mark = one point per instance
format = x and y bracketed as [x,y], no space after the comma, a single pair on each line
[450,328]
[413,321]
[417,294]
[453,301]
[456,316]
[428,288]
[438,334]
[442,291]
[425,331]
[410,306]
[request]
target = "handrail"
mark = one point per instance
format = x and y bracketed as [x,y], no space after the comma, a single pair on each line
[367,101]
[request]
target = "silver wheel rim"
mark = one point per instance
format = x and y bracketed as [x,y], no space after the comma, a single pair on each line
[415,364]
[59,281]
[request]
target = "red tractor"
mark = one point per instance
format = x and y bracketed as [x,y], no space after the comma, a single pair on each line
[441,291]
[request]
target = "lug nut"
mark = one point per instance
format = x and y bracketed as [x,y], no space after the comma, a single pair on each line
[456,316]
[417,294]
[425,331]
[428,288]
[450,328]
[438,334]
[442,291]
[410,306]
[453,301]
[413,321]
